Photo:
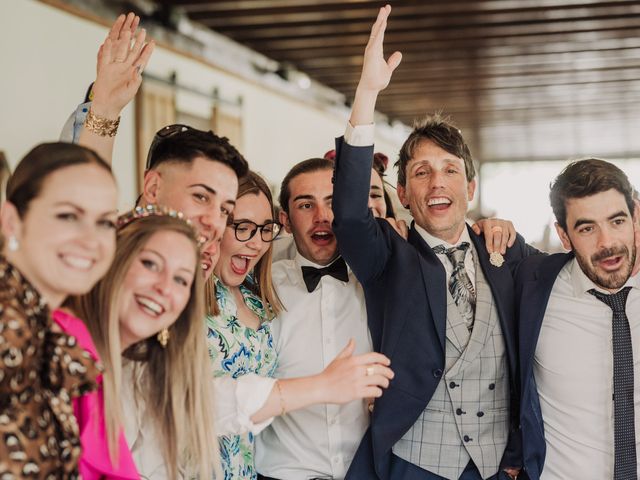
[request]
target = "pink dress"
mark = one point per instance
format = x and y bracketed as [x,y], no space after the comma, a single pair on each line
[89,410]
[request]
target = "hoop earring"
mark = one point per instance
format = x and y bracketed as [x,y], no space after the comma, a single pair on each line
[163,337]
[13,244]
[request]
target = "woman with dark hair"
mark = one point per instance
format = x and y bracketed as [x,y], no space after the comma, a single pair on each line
[58,224]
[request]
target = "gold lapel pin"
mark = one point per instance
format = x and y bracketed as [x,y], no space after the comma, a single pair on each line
[496,259]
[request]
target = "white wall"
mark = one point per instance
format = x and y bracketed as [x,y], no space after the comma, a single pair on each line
[47,60]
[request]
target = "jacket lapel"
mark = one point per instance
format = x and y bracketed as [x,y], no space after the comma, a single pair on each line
[434,279]
[500,281]
[532,306]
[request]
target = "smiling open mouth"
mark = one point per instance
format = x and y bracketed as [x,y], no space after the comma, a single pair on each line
[77,262]
[149,306]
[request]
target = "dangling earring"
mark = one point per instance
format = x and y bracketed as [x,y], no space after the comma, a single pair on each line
[13,244]
[163,337]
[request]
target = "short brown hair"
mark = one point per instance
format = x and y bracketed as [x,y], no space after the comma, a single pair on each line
[584,178]
[306,166]
[441,132]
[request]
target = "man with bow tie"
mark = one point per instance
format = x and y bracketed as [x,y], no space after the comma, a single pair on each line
[324,309]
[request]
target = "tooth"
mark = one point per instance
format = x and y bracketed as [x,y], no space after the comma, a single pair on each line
[151,305]
[78,262]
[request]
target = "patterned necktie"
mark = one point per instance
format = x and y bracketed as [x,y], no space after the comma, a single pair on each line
[460,285]
[625,466]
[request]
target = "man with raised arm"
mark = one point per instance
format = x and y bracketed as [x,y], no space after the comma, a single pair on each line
[438,306]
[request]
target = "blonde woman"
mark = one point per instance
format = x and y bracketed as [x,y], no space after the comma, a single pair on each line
[145,317]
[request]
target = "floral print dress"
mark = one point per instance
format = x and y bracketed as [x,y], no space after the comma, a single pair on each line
[236,350]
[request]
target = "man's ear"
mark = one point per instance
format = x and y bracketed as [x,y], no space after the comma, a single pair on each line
[564,238]
[402,195]
[151,186]
[471,189]
[284,220]
[10,221]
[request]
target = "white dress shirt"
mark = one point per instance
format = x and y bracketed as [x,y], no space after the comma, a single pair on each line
[573,368]
[321,440]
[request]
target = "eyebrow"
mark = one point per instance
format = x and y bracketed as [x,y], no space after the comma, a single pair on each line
[82,210]
[240,220]
[375,187]
[583,221]
[211,191]
[155,252]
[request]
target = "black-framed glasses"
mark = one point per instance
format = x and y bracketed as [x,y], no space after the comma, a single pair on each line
[246,230]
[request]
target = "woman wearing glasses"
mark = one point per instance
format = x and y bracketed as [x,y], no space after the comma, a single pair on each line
[240,340]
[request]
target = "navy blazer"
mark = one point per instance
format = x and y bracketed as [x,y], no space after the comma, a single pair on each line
[405,292]
[534,279]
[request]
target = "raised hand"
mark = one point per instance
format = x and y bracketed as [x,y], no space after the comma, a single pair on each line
[120,66]
[376,71]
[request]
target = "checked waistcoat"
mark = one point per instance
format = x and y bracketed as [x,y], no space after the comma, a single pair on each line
[468,414]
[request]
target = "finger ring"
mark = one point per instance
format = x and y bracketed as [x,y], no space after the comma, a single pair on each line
[496,228]
[370,371]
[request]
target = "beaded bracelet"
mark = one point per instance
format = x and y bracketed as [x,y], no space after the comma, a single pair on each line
[100,125]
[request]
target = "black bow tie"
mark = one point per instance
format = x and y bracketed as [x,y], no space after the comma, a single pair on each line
[312,275]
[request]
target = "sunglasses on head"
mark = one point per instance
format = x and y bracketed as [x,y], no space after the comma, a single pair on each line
[166,132]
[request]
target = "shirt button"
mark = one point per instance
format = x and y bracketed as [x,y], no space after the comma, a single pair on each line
[336,459]
[480,414]
[492,386]
[437,373]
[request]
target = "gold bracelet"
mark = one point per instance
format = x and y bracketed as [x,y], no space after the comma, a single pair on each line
[283,409]
[100,125]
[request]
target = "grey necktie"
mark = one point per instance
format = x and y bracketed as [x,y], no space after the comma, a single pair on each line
[460,285]
[625,466]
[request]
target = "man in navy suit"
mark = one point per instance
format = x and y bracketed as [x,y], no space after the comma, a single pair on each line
[579,355]
[437,306]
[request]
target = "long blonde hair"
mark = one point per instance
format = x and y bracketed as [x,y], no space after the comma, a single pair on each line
[175,381]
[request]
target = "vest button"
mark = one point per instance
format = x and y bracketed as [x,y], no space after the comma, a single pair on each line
[466,438]
[437,373]
[453,384]
[492,386]
[459,411]
[480,414]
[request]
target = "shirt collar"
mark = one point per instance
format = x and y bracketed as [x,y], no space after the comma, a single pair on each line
[582,284]
[434,241]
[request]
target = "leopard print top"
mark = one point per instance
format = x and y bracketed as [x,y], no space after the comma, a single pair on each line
[41,371]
